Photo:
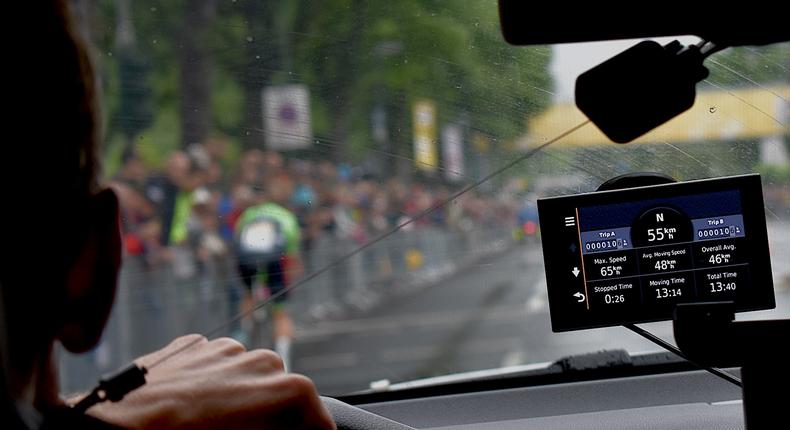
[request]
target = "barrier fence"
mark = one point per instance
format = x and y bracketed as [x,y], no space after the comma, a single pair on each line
[156,304]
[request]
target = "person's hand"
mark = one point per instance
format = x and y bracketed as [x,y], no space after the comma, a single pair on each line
[217,385]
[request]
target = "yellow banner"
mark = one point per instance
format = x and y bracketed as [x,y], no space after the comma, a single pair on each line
[716,115]
[424,124]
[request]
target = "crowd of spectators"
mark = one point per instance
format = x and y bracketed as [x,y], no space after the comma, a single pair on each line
[184,214]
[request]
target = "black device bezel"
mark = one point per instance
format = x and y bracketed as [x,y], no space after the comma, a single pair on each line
[555,236]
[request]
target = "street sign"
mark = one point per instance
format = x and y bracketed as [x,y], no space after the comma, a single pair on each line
[286,117]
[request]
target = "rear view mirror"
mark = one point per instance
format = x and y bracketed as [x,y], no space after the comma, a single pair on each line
[640,88]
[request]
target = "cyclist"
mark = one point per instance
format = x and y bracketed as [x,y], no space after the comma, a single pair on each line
[268,238]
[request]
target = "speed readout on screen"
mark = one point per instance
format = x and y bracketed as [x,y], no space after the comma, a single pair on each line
[631,255]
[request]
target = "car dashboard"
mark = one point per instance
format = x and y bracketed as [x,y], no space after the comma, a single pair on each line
[690,399]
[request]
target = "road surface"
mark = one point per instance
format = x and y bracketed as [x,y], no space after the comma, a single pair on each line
[488,315]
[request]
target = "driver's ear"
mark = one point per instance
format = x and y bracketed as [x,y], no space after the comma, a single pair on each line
[93,278]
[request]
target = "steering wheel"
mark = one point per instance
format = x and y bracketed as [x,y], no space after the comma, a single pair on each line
[349,417]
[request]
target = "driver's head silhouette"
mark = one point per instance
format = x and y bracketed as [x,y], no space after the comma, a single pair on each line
[62,254]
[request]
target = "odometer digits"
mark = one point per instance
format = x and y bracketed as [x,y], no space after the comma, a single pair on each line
[716,232]
[603,244]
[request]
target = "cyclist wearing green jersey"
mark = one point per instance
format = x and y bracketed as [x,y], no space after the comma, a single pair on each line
[268,238]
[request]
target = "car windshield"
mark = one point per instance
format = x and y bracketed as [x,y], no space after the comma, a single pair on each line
[370,170]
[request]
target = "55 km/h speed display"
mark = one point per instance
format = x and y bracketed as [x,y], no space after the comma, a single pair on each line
[631,255]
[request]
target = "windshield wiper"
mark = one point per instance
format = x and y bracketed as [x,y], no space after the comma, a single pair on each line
[603,364]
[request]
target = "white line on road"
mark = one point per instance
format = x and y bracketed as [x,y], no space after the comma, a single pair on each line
[513,357]
[537,303]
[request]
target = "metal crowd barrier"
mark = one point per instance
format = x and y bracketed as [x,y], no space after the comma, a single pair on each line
[156,304]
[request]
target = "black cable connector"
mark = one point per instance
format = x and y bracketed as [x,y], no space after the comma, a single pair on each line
[114,387]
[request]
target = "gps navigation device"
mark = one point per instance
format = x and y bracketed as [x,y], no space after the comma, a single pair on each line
[630,255]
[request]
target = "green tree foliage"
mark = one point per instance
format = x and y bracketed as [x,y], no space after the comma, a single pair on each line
[353,55]
[134,113]
[395,52]
[750,65]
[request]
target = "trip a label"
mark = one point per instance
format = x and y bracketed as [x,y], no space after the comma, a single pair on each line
[614,239]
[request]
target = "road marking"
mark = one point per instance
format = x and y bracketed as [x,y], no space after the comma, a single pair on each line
[513,357]
[537,303]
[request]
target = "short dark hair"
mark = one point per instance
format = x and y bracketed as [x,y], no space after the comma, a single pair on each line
[53,131]
[54,120]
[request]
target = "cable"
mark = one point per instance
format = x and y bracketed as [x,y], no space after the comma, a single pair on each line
[707,48]
[673,349]
[378,239]
[115,387]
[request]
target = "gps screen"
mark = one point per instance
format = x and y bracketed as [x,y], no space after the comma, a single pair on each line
[630,255]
